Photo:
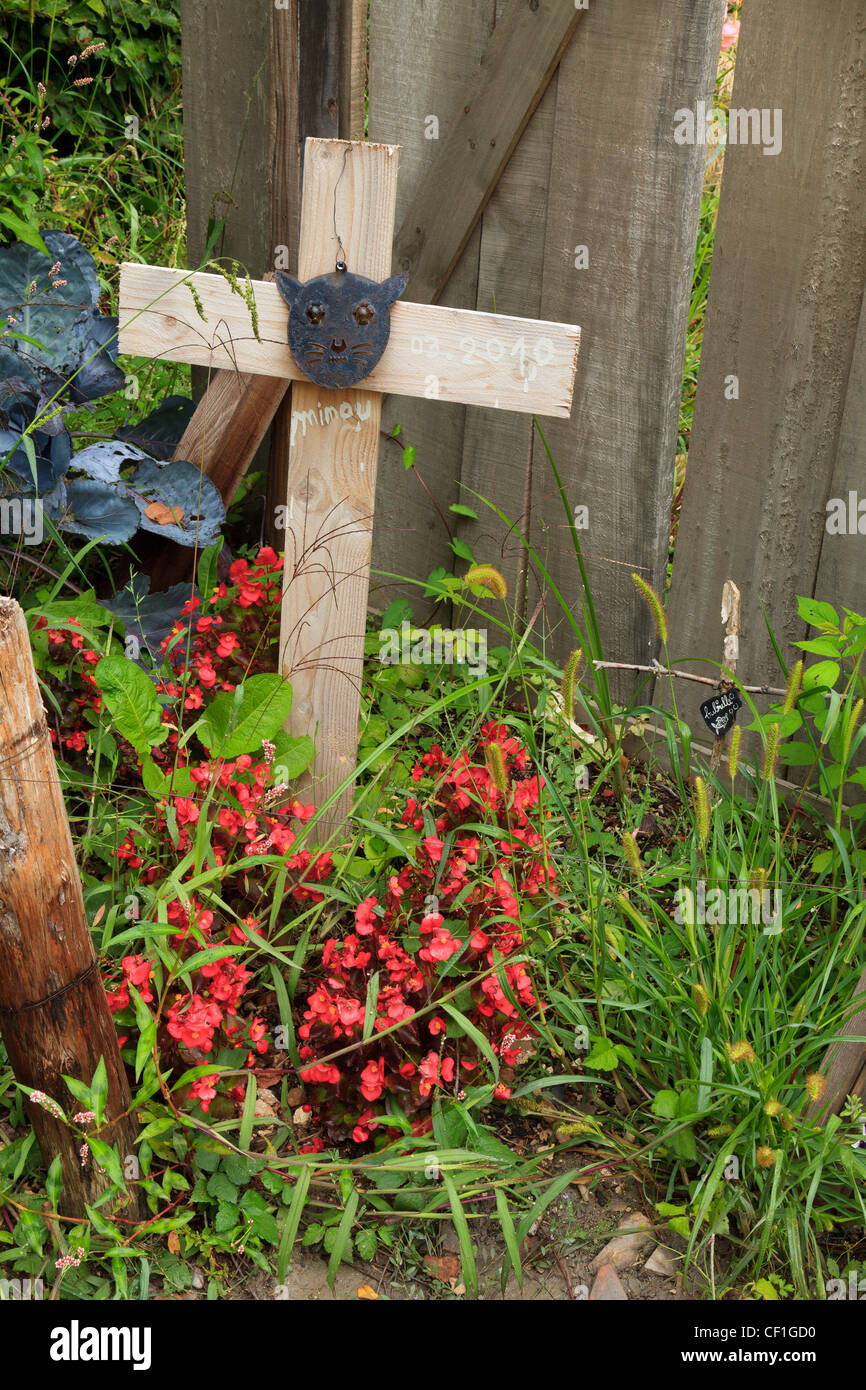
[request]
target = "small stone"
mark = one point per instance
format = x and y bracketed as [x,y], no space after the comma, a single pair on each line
[197,1278]
[623,1249]
[267,1104]
[661,1262]
[607,1288]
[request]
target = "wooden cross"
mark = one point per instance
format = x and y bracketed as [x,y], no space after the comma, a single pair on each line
[449,354]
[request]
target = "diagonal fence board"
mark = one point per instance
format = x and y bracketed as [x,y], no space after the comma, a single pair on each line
[475,359]
[785,301]
[518,62]
[229,424]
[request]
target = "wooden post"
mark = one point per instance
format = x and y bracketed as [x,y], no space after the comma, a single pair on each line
[54,1017]
[844,1063]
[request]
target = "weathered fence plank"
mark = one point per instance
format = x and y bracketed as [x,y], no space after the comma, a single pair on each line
[626,191]
[497,461]
[785,299]
[226,124]
[423,53]
[493,110]
[841,577]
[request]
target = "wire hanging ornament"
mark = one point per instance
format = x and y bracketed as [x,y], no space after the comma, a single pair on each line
[339,323]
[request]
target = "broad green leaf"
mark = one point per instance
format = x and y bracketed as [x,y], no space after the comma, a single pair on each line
[206,571]
[219,1186]
[23,231]
[822,676]
[365,1244]
[476,1035]
[264,708]
[54,1182]
[99,1091]
[131,700]
[603,1056]
[817,614]
[292,755]
[666,1105]
[370,1005]
[106,1157]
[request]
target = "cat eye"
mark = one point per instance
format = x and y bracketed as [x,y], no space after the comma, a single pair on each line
[363,313]
[315,312]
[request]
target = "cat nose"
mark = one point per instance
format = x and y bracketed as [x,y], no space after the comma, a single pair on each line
[338,345]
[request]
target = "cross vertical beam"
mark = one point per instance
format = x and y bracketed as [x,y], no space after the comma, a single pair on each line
[332,473]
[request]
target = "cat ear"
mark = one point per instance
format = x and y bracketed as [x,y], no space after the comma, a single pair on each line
[288,287]
[390,290]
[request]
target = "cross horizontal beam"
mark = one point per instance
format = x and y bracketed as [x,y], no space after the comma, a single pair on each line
[460,355]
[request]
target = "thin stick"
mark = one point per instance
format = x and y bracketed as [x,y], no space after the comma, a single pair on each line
[730,654]
[658,670]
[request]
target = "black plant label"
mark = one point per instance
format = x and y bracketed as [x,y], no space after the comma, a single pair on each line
[720,712]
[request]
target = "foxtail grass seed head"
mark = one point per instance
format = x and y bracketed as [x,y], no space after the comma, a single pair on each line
[734,752]
[488,578]
[569,678]
[758,878]
[816,1085]
[632,853]
[740,1051]
[496,767]
[771,752]
[702,999]
[765,1156]
[773,1108]
[849,731]
[654,604]
[197,300]
[795,680]
[702,809]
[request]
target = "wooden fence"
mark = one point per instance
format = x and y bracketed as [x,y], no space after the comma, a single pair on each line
[540,175]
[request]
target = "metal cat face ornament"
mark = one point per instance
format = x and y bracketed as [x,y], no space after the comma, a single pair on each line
[339,324]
